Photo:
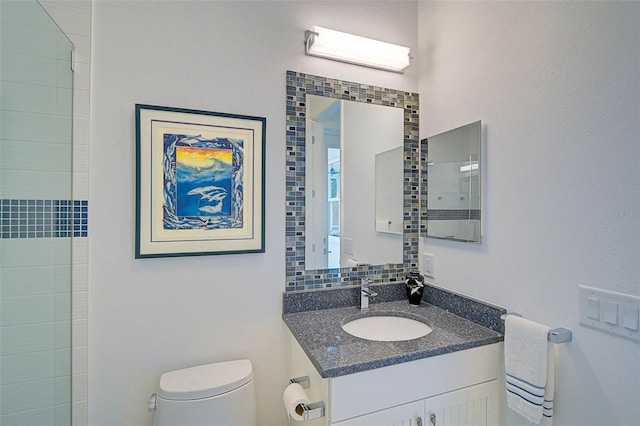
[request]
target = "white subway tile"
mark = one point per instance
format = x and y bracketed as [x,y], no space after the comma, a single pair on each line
[81,103]
[72,20]
[79,306]
[80,247]
[79,364]
[36,252]
[80,413]
[33,280]
[36,185]
[80,158]
[81,48]
[50,157]
[28,98]
[19,126]
[80,274]
[79,332]
[81,76]
[80,185]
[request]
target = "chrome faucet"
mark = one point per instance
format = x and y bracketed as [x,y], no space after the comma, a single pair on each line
[365,294]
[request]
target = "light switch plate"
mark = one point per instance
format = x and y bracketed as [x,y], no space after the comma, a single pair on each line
[616,313]
[348,246]
[593,308]
[630,318]
[611,312]
[428,260]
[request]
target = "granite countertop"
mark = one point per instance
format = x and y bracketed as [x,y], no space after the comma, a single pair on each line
[335,353]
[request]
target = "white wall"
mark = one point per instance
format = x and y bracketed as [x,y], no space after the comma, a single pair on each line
[154,315]
[556,85]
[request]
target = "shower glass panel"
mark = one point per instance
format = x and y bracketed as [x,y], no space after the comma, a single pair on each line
[36,217]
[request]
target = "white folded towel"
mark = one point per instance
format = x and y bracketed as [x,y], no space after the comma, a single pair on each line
[529,360]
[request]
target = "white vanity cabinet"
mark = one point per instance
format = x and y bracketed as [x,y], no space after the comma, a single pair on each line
[459,388]
[473,405]
[411,414]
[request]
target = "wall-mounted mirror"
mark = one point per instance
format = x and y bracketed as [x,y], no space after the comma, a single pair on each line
[348,147]
[335,132]
[453,170]
[388,191]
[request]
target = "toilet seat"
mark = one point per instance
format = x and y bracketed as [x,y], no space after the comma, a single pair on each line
[205,381]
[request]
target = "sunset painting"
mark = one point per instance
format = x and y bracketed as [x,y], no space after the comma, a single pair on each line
[202,182]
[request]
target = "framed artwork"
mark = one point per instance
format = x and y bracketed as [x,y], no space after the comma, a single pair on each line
[199,182]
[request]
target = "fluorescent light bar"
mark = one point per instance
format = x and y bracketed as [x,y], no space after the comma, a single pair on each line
[353,49]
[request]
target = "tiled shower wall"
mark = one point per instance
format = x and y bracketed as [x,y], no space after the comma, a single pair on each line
[74,18]
[57,216]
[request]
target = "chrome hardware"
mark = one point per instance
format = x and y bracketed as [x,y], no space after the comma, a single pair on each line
[556,335]
[309,38]
[365,294]
[419,421]
[560,335]
[151,407]
[312,411]
[302,381]
[432,419]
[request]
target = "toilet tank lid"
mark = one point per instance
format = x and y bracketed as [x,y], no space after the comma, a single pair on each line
[205,381]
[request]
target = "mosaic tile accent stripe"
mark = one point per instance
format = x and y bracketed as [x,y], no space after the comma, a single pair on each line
[442,214]
[424,179]
[298,86]
[43,218]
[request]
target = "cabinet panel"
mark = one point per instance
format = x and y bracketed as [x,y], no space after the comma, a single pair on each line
[403,415]
[365,392]
[473,406]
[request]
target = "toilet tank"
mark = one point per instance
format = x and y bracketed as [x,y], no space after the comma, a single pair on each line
[220,394]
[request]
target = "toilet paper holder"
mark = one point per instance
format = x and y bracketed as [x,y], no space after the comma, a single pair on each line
[312,411]
[302,381]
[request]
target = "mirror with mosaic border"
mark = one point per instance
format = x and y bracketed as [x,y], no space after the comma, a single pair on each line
[299,85]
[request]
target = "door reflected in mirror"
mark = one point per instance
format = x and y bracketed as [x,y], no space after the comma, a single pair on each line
[344,210]
[453,184]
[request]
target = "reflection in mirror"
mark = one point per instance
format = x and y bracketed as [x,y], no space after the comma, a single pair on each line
[388,190]
[344,139]
[453,184]
[343,178]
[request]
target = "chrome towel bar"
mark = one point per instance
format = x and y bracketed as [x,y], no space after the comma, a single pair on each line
[556,335]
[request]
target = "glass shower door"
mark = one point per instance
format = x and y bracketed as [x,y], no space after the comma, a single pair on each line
[36,214]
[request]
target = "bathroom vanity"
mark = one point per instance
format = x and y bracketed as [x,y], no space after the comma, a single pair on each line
[457,388]
[448,377]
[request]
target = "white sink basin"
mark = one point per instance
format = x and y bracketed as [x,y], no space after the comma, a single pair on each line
[386,328]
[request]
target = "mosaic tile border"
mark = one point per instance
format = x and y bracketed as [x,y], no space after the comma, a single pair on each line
[424,179]
[43,218]
[450,214]
[298,86]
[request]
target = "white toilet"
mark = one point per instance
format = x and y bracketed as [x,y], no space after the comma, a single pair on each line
[220,394]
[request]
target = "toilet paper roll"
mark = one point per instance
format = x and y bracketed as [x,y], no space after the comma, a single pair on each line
[294,396]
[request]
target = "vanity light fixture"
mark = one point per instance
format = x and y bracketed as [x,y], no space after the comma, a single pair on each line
[339,46]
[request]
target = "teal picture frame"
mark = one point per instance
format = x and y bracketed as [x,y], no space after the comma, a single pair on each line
[200,182]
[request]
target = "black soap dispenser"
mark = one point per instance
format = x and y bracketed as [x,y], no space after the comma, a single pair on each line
[414,282]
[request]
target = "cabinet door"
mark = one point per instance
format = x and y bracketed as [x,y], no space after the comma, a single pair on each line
[411,414]
[472,406]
